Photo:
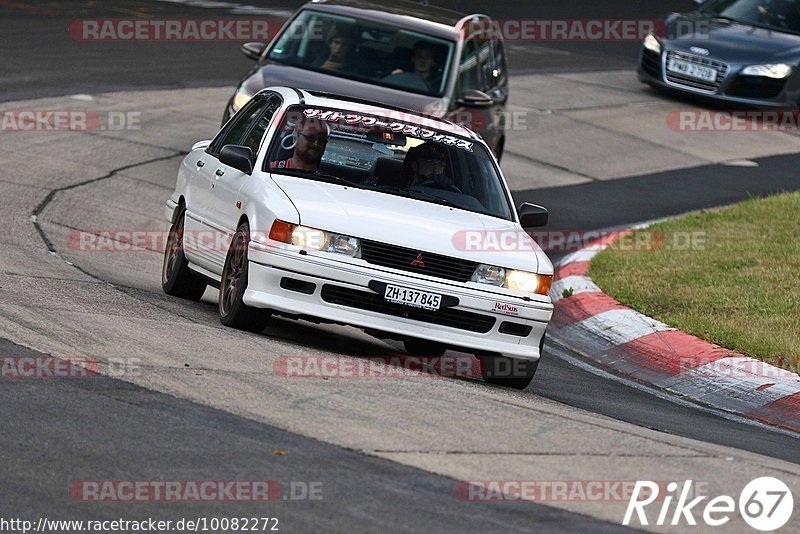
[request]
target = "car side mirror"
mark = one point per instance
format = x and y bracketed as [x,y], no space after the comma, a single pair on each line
[533,216]
[238,157]
[253,50]
[475,99]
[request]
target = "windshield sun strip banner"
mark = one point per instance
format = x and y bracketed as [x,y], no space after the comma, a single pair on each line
[410,130]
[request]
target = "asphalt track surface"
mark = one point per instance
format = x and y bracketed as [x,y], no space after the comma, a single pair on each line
[39,59]
[106,428]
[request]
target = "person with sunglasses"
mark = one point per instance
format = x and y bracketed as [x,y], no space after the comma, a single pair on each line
[309,140]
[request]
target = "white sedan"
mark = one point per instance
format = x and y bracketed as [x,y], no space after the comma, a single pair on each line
[319,207]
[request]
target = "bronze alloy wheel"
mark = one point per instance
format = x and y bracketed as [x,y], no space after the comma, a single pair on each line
[233,311]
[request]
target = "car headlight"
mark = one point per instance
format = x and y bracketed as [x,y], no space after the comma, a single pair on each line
[778,70]
[489,274]
[652,44]
[314,239]
[241,98]
[513,279]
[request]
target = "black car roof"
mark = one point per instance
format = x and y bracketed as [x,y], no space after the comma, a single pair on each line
[413,16]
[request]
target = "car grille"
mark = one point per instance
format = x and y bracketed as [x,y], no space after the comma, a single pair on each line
[403,259]
[352,298]
[693,83]
[756,87]
[651,63]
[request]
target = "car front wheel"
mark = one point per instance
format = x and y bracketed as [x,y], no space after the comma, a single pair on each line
[233,311]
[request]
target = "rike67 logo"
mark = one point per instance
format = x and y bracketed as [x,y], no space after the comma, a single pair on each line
[765,503]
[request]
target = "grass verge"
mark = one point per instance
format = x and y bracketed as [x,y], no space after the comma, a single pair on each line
[729,276]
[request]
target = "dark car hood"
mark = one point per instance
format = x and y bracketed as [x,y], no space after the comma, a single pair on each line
[735,43]
[269,74]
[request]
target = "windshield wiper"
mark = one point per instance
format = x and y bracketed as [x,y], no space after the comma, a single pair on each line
[319,176]
[416,193]
[729,19]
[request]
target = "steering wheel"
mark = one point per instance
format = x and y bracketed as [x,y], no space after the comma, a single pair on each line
[433,184]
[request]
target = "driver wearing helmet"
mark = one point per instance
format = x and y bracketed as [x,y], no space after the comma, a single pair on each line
[426,165]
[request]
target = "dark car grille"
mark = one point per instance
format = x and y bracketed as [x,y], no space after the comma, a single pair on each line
[463,320]
[651,63]
[756,87]
[403,259]
[694,83]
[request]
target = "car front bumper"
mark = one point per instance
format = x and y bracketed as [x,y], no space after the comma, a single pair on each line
[341,294]
[652,70]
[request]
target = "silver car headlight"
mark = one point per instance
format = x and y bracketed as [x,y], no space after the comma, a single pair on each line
[241,98]
[777,70]
[652,44]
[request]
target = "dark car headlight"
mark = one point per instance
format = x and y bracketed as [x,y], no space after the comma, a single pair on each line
[651,43]
[774,70]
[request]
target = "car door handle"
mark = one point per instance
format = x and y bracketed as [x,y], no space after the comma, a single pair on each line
[219,172]
[201,163]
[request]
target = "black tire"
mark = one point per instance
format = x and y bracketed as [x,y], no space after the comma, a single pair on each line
[233,311]
[508,372]
[424,347]
[176,277]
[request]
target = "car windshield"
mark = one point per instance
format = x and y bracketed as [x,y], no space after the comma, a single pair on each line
[387,154]
[366,51]
[781,15]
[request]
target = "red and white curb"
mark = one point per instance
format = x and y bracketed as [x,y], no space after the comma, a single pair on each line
[615,336]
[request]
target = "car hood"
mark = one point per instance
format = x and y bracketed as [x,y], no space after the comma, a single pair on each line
[735,43]
[270,74]
[406,222]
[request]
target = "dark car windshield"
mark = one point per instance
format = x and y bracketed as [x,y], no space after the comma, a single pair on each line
[366,51]
[389,155]
[781,15]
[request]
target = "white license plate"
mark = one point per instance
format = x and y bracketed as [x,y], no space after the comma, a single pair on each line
[692,70]
[412,297]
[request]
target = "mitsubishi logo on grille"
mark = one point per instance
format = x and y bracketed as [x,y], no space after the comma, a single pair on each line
[698,50]
[418,262]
